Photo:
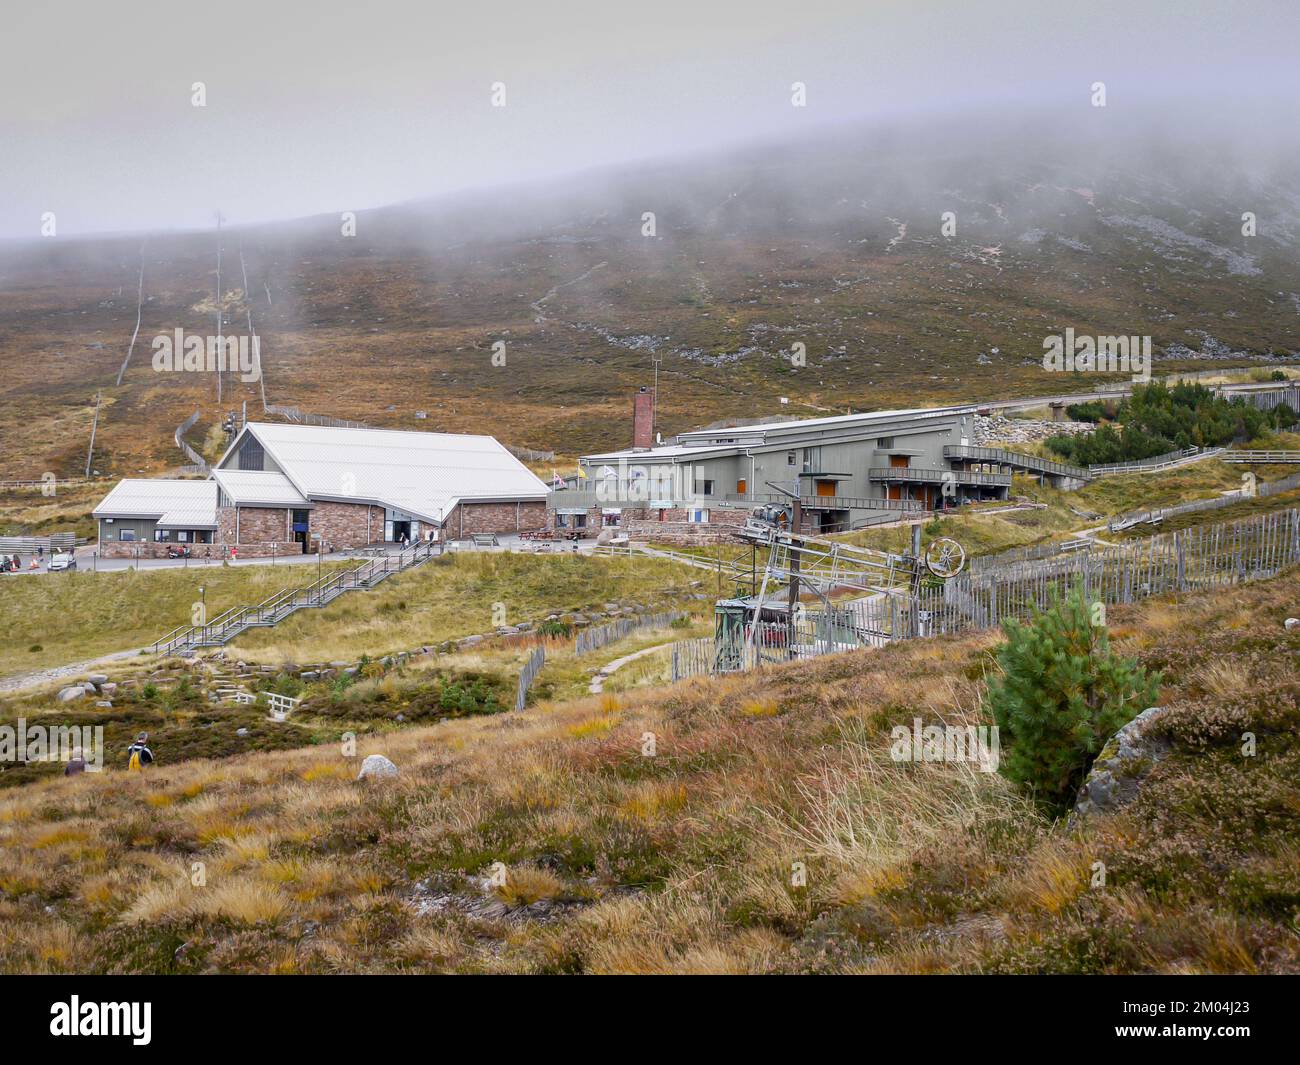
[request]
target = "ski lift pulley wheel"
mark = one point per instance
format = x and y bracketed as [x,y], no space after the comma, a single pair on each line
[945,557]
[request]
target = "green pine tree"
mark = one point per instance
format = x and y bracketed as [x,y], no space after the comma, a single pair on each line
[1061,694]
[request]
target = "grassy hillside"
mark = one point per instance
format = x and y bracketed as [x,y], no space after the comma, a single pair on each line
[28,512]
[68,617]
[73,616]
[617,860]
[456,595]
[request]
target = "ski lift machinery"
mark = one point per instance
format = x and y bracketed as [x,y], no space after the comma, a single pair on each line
[825,567]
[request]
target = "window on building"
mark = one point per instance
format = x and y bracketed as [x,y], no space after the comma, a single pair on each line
[698,516]
[885,441]
[300,520]
[561,521]
[706,487]
[162,535]
[126,534]
[251,455]
[580,522]
[792,458]
[610,519]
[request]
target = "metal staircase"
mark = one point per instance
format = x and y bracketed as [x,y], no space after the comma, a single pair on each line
[225,627]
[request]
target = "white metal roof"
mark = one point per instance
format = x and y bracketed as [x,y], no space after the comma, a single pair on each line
[424,474]
[663,453]
[702,443]
[257,488]
[173,504]
[832,422]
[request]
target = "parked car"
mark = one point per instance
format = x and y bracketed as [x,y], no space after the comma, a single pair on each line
[62,560]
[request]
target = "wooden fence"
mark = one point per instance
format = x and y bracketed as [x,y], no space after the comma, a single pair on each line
[303,418]
[1155,462]
[197,461]
[28,545]
[598,636]
[531,668]
[528,454]
[1190,560]
[1193,559]
[43,483]
[1266,488]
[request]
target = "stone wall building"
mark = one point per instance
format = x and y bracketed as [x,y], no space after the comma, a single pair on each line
[285,489]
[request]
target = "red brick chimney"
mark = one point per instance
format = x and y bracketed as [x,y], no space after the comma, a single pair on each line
[643,418]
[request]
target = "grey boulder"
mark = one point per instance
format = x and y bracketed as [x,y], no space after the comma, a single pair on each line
[1117,773]
[376,767]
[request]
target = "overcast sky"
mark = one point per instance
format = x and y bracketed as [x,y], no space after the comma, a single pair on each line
[314,107]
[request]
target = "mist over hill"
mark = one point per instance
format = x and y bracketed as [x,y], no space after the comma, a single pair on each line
[914,263]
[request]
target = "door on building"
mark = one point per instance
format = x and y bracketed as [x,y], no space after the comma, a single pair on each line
[825,488]
[900,461]
[741,486]
[401,529]
[300,529]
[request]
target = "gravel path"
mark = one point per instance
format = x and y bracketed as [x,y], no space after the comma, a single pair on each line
[598,681]
[15,681]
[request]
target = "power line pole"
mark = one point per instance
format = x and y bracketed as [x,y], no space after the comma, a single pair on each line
[220,349]
[94,425]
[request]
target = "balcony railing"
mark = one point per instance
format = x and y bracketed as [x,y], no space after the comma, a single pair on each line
[572,499]
[920,475]
[1013,458]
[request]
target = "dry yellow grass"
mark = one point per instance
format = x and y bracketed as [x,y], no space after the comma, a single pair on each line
[737,842]
[525,885]
[1224,679]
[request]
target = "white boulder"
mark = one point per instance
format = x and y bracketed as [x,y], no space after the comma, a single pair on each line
[376,767]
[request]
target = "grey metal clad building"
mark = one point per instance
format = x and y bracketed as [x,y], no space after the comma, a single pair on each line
[139,510]
[849,470]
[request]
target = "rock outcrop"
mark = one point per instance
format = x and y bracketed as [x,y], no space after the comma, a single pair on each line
[1117,773]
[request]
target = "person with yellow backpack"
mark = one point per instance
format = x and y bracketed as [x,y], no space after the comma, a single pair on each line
[138,754]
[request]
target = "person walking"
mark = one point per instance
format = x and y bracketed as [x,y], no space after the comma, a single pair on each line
[138,754]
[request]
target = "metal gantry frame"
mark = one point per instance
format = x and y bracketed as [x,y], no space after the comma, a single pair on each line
[823,567]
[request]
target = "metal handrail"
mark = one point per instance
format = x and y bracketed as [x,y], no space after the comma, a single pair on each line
[1261,457]
[918,473]
[1013,458]
[237,617]
[853,503]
